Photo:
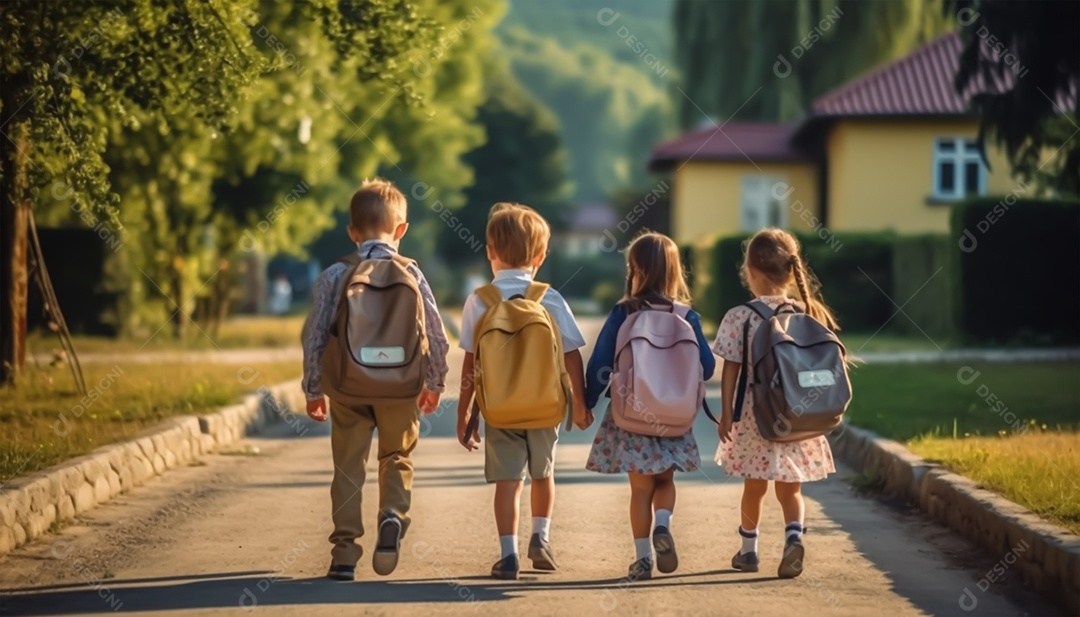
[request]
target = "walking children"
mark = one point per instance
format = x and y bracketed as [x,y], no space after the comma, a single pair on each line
[652,354]
[523,365]
[772,265]
[374,343]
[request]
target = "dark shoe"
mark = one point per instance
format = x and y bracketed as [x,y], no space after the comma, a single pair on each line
[506,569]
[342,573]
[792,562]
[667,560]
[747,562]
[388,546]
[543,558]
[640,570]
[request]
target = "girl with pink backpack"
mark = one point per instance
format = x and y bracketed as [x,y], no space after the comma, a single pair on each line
[652,359]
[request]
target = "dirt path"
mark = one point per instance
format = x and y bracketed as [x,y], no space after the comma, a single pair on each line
[243,531]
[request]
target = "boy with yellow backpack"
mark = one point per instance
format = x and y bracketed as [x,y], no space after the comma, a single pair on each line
[523,365]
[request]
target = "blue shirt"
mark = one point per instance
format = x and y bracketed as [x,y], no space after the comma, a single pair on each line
[602,360]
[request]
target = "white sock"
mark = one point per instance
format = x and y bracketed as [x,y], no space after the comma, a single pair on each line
[663,518]
[793,529]
[508,544]
[749,541]
[542,526]
[643,548]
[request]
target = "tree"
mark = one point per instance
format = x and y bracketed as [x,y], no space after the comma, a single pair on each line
[598,103]
[1036,47]
[767,60]
[522,160]
[66,67]
[170,105]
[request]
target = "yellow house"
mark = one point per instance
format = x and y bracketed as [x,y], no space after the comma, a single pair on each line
[887,151]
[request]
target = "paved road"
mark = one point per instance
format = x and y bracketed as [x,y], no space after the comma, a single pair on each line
[242,531]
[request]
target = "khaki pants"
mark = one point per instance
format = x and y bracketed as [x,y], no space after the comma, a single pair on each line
[350,440]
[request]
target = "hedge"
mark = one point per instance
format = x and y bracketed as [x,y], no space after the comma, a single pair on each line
[922,284]
[850,266]
[1016,271]
[93,296]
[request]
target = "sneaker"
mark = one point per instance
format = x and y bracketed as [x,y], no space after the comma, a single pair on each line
[342,573]
[747,562]
[792,562]
[543,558]
[388,546]
[667,560]
[640,570]
[506,569]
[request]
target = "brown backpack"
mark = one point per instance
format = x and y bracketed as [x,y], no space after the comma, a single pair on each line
[377,352]
[799,374]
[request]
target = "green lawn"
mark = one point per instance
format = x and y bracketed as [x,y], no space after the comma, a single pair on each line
[1022,443]
[236,333]
[904,401]
[44,420]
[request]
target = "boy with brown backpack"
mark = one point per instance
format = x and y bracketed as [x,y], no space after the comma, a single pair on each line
[374,343]
[523,365]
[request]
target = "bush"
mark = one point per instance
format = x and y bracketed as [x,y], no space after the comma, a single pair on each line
[922,276]
[93,295]
[842,264]
[1016,271]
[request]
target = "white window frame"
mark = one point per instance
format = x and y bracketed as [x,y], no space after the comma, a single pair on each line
[959,157]
[782,202]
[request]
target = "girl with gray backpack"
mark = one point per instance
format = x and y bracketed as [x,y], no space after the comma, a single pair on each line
[785,386]
[652,359]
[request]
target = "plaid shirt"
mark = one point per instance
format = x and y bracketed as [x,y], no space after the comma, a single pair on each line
[324,302]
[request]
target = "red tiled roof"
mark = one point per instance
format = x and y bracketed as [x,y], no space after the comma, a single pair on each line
[758,142]
[920,83]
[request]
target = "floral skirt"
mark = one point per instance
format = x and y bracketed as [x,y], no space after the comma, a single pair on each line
[749,455]
[615,450]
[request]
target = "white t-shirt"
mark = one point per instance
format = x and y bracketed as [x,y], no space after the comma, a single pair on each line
[511,282]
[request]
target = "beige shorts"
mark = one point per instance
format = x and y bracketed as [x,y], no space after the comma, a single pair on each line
[509,453]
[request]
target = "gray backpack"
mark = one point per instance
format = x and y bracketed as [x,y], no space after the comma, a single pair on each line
[799,374]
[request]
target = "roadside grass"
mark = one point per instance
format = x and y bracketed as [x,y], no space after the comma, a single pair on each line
[1039,470]
[235,333]
[44,420]
[1012,428]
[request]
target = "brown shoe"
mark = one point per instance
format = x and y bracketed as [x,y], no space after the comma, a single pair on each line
[541,554]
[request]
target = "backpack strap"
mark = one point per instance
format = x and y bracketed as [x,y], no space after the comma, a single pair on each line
[536,291]
[764,312]
[350,259]
[402,260]
[490,295]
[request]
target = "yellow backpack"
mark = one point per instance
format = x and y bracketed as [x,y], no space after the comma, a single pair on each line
[519,369]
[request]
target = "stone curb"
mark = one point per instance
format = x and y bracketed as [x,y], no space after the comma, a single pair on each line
[30,505]
[1047,555]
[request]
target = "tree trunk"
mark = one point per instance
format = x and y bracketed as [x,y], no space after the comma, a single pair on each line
[14,212]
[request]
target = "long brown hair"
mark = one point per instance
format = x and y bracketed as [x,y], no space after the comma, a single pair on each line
[776,254]
[654,272]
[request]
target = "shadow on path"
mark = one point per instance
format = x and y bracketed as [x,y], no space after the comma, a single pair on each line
[228,590]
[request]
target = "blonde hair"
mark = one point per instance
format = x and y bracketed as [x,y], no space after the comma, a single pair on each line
[377,207]
[654,272]
[517,234]
[776,254]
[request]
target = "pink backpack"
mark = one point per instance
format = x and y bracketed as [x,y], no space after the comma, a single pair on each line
[657,383]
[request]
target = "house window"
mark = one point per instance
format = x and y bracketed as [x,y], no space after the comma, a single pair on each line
[761,206]
[958,169]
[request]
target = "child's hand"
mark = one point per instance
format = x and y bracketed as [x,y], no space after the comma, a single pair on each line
[583,417]
[471,441]
[428,401]
[316,409]
[725,428]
